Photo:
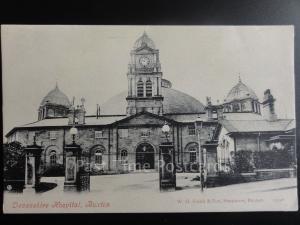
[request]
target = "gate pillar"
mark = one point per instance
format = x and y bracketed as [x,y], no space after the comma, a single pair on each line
[167,167]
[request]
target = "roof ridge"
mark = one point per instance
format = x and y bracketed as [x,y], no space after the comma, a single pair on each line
[261,120]
[289,123]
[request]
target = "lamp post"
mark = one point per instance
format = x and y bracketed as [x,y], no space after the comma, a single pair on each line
[73,132]
[198,126]
[166,130]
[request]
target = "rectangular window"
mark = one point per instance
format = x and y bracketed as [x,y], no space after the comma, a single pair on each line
[145,133]
[52,135]
[123,133]
[31,136]
[99,134]
[192,130]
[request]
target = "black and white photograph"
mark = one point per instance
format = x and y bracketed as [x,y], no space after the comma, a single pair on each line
[123,119]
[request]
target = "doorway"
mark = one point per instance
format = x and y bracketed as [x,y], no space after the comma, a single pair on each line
[144,156]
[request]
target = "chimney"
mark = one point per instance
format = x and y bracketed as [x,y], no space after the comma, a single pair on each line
[268,106]
[209,109]
[220,112]
[97,111]
[71,115]
[81,112]
[76,115]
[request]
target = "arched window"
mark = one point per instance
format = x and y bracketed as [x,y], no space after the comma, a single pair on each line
[193,154]
[236,107]
[258,108]
[243,107]
[50,113]
[52,158]
[140,88]
[148,88]
[98,157]
[124,155]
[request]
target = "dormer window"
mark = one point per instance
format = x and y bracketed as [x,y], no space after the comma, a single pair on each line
[236,107]
[50,113]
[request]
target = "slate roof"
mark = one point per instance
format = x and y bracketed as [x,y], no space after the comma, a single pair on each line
[175,102]
[185,118]
[56,97]
[291,125]
[240,91]
[233,126]
[89,120]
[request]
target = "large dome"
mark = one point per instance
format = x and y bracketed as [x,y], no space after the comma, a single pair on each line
[142,41]
[56,97]
[239,92]
[175,102]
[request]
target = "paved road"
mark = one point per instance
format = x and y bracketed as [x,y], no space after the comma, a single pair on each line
[140,193]
[149,182]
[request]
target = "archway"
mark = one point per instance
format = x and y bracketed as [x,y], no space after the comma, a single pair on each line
[144,156]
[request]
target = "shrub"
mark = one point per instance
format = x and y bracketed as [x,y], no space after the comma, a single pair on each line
[273,159]
[243,162]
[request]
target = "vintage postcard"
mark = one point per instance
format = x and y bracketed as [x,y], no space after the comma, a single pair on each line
[126,119]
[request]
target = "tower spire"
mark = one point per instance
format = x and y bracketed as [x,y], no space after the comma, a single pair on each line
[240,80]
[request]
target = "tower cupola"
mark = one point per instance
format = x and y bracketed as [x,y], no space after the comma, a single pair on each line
[241,99]
[144,78]
[54,104]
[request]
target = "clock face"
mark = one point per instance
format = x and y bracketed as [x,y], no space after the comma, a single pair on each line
[145,61]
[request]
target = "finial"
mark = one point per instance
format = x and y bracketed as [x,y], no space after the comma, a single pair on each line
[145,34]
[208,100]
[82,101]
[240,80]
[56,85]
[73,101]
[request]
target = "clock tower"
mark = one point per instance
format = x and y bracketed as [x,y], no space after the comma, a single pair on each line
[144,78]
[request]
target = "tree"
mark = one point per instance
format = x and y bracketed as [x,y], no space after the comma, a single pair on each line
[14,160]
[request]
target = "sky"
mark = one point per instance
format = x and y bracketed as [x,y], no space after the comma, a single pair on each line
[92,62]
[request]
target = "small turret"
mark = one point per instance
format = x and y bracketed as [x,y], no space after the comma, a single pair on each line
[213,112]
[76,115]
[268,106]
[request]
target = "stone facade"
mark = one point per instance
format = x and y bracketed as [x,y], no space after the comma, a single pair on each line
[125,135]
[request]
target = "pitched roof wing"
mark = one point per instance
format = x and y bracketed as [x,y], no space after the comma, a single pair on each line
[255,125]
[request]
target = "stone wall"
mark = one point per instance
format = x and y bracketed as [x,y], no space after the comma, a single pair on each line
[140,130]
